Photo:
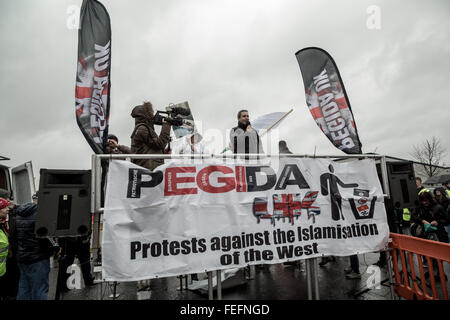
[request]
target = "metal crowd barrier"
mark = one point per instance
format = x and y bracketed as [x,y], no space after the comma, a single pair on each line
[311,264]
[406,285]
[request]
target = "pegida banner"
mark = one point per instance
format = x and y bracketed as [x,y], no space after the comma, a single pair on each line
[327,99]
[186,218]
[93,74]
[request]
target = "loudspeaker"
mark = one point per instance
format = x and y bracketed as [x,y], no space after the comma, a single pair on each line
[403,190]
[403,184]
[64,203]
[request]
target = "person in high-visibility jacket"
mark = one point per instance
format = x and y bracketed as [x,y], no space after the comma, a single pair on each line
[4,243]
[406,221]
[446,186]
[406,215]
[420,188]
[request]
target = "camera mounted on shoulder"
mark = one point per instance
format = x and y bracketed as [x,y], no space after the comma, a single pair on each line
[172,116]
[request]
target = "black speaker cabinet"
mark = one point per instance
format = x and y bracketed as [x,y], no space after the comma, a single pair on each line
[402,185]
[64,203]
[402,182]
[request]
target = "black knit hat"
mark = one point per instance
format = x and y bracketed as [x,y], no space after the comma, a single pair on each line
[113,137]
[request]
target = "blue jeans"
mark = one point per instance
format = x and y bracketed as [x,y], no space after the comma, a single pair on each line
[33,282]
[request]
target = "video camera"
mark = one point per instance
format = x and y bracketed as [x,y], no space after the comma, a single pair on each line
[172,116]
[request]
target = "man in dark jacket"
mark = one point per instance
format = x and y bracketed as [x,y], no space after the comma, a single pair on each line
[32,254]
[420,187]
[243,138]
[144,139]
[114,147]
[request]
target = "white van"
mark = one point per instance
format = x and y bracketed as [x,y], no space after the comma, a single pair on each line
[18,180]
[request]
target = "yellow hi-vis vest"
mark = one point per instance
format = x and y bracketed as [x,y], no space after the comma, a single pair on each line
[3,252]
[448,193]
[406,214]
[423,190]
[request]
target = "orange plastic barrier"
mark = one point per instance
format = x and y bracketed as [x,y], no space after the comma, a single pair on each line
[406,285]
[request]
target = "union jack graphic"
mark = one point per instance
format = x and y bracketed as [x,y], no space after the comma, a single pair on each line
[288,206]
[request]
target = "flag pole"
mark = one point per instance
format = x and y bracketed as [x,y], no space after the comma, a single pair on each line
[276,122]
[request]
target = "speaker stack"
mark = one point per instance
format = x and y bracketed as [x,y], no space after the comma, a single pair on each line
[403,190]
[64,203]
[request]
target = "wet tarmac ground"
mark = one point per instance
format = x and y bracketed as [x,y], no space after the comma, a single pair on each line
[271,282]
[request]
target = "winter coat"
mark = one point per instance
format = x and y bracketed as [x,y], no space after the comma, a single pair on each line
[27,247]
[144,139]
[4,244]
[445,202]
[242,141]
[119,150]
[431,213]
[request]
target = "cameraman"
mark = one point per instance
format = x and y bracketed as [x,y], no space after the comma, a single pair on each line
[144,139]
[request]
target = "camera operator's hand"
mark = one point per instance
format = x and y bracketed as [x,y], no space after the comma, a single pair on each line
[164,121]
[112,143]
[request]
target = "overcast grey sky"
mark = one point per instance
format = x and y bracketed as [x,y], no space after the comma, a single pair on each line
[222,56]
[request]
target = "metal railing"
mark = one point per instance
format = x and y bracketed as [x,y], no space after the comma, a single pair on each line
[311,264]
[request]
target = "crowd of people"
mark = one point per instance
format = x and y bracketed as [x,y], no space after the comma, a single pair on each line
[25,259]
[431,218]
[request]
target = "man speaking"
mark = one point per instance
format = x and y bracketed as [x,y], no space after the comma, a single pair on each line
[243,138]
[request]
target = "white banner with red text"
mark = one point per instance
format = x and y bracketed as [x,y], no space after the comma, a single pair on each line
[187,217]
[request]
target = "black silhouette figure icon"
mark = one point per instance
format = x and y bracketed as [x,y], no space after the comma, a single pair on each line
[329,185]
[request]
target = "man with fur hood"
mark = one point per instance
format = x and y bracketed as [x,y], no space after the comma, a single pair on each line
[144,139]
